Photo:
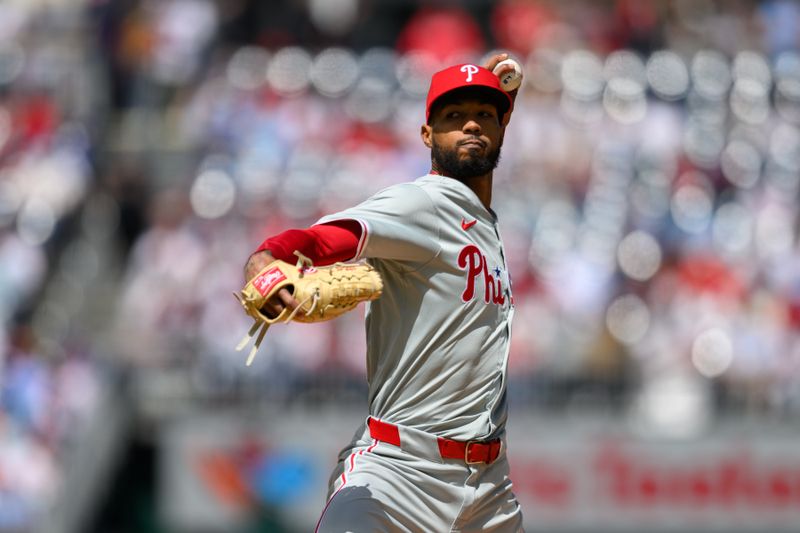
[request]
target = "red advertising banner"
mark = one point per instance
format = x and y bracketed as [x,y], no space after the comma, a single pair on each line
[573,474]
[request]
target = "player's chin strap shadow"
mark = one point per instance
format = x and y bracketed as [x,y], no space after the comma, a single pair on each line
[263,322]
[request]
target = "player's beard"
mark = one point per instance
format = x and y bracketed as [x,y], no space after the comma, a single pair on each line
[447,161]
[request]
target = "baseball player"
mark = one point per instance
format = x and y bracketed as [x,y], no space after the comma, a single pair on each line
[431,456]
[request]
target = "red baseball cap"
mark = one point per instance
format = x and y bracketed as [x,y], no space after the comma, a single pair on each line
[465,76]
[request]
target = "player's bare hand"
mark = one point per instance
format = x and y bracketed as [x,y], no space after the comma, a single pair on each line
[283,298]
[490,64]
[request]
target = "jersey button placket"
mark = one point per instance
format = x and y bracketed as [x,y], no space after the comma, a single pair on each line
[503,259]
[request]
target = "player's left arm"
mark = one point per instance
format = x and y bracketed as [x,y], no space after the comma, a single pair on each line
[324,244]
[490,64]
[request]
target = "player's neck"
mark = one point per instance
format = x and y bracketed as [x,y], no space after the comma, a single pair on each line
[480,185]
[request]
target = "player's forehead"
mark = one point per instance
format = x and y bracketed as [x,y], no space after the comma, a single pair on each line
[468,102]
[465,105]
[478,97]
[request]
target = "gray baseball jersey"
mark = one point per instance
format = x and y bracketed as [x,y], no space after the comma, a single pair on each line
[437,354]
[438,338]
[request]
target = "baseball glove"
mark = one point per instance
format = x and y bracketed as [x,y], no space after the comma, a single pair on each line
[323,293]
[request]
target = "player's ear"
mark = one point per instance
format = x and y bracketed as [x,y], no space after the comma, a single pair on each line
[425,133]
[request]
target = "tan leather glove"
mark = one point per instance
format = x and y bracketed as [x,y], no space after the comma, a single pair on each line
[323,293]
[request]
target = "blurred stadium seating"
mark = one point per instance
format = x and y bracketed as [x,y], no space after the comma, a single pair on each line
[648,197]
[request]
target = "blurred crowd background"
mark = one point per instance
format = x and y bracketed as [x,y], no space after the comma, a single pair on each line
[647,195]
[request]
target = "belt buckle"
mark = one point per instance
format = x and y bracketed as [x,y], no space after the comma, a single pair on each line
[466,453]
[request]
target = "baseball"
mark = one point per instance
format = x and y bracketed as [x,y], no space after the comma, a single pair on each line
[510,80]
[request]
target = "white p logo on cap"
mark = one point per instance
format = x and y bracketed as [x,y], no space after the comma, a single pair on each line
[470,70]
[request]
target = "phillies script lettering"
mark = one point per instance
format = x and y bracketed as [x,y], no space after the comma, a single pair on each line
[474,262]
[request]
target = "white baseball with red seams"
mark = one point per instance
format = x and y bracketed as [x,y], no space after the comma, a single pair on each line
[512,79]
[437,356]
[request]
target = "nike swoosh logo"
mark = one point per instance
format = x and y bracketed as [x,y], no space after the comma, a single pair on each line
[466,225]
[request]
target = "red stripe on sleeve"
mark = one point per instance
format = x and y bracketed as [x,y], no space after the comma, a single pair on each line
[324,244]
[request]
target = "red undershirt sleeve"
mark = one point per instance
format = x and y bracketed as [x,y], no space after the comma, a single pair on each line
[324,244]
